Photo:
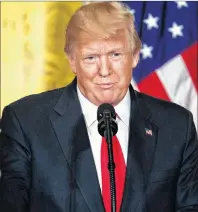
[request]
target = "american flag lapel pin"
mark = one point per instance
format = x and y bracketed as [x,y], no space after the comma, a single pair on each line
[148,132]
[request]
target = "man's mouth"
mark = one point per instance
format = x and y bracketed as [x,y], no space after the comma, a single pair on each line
[106,85]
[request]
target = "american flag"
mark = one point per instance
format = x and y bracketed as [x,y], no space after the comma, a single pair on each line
[148,132]
[169,56]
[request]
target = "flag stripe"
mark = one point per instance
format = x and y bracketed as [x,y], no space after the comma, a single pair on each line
[151,85]
[177,81]
[190,59]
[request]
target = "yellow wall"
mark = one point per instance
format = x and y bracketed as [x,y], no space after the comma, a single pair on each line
[32,48]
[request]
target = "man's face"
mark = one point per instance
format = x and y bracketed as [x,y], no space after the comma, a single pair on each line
[104,69]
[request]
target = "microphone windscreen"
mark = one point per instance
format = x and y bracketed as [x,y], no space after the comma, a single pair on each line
[105,108]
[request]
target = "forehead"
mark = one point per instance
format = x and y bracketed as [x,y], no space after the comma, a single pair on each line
[102,46]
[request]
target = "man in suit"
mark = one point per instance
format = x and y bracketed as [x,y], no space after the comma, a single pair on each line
[51,154]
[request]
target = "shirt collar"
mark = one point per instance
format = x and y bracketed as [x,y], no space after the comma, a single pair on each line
[90,110]
[123,109]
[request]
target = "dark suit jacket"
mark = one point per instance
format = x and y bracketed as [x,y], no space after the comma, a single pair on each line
[47,163]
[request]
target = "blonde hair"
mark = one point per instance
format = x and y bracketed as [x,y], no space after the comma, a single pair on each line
[101,20]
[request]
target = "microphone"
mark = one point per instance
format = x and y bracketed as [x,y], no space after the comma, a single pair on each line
[107,127]
[106,113]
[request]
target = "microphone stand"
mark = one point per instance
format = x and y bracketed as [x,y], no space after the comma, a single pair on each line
[111,164]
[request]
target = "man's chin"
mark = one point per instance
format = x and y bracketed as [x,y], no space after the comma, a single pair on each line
[108,100]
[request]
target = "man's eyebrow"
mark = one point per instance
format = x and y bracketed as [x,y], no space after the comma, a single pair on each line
[117,49]
[94,51]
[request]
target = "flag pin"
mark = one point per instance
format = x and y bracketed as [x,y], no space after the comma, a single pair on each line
[148,132]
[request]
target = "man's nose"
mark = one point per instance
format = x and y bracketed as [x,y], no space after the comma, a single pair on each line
[104,66]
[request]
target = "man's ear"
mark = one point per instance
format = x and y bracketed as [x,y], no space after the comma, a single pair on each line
[71,60]
[135,61]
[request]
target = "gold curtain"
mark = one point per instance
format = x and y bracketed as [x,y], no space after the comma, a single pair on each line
[32,48]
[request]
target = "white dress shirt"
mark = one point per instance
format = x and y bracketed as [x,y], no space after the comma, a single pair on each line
[90,114]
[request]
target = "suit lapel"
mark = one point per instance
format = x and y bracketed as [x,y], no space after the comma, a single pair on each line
[71,132]
[141,150]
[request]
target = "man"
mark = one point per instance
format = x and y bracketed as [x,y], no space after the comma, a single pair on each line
[52,156]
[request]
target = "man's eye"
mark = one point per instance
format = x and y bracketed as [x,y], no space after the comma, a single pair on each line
[115,54]
[90,59]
